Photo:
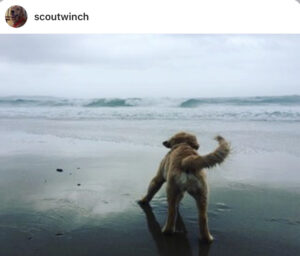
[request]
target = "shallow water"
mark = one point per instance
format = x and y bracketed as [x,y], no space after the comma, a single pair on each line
[254,199]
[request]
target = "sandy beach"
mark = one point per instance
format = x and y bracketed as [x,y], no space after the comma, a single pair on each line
[90,207]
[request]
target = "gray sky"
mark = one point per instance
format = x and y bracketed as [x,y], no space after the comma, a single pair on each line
[92,66]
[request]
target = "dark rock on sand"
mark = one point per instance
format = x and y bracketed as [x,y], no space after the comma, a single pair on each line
[59,170]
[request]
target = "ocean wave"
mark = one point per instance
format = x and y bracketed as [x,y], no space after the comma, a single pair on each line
[276,100]
[284,108]
[147,102]
[36,101]
[113,103]
[232,113]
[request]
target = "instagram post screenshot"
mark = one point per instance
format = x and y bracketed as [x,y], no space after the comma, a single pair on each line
[150,128]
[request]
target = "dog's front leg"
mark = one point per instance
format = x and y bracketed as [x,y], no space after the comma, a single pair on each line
[174,196]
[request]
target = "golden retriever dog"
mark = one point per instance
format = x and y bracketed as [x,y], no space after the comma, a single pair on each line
[16,16]
[183,170]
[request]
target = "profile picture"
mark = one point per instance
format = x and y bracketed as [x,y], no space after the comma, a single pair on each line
[16,16]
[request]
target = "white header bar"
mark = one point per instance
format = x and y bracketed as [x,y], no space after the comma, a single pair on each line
[157,16]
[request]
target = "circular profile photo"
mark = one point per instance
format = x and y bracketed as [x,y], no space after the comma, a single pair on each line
[16,16]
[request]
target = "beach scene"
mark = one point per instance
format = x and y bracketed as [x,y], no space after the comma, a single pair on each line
[74,166]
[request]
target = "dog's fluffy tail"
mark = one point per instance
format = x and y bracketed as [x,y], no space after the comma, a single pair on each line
[195,162]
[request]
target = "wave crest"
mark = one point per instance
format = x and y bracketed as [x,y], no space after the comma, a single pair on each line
[277,100]
[110,103]
[146,102]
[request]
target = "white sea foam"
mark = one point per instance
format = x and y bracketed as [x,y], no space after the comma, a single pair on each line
[284,108]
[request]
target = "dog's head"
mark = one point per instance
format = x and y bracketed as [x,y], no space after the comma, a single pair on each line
[17,13]
[182,137]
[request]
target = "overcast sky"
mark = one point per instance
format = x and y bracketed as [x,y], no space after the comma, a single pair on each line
[93,66]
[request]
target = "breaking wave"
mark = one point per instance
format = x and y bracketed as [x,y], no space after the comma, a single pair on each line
[283,108]
[112,103]
[279,100]
[144,102]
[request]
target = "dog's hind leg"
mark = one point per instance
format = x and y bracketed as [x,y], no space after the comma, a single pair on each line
[201,200]
[154,186]
[174,196]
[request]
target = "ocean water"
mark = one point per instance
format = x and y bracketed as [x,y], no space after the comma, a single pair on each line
[281,108]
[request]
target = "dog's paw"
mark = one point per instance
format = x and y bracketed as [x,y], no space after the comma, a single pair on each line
[142,202]
[167,231]
[208,239]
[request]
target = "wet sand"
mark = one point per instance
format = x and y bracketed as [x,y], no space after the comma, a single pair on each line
[45,212]
[89,208]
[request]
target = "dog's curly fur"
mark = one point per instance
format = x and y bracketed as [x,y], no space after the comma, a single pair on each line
[183,170]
